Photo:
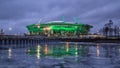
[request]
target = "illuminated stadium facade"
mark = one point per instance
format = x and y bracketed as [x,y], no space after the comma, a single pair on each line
[58,28]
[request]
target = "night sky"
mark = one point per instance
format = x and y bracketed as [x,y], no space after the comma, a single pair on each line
[15,15]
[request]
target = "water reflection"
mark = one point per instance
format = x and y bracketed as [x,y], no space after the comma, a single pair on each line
[66,55]
[67,47]
[9,53]
[98,50]
[46,50]
[38,51]
[59,50]
[76,50]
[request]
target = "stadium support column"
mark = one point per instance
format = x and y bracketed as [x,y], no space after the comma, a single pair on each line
[61,33]
[30,33]
[75,33]
[51,32]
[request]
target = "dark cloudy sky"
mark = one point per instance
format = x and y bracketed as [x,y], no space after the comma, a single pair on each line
[16,14]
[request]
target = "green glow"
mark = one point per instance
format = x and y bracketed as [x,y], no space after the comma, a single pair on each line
[60,26]
[64,28]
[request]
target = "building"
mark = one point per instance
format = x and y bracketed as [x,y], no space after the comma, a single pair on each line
[58,28]
[1,32]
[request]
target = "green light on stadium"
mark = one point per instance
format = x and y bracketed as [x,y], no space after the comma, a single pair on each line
[58,28]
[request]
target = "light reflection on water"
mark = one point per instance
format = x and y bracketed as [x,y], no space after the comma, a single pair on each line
[58,51]
[98,50]
[62,55]
[9,53]
[38,51]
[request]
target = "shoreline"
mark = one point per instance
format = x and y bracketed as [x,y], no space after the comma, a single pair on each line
[39,39]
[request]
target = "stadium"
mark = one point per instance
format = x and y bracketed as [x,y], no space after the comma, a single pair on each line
[59,28]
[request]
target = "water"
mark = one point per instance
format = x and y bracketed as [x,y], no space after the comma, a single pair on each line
[61,55]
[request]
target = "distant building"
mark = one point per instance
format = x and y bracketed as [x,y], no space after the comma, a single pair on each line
[1,32]
[58,28]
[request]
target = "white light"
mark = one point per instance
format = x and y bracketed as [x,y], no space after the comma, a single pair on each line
[38,51]
[9,53]
[10,28]
[47,28]
[98,50]
[38,26]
